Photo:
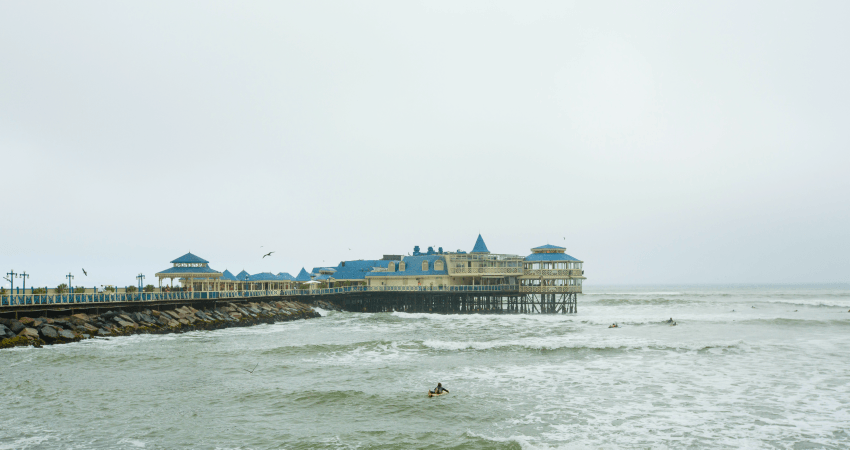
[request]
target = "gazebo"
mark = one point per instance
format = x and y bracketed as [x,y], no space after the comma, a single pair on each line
[193,272]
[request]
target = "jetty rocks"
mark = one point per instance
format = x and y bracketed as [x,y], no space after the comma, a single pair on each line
[45,331]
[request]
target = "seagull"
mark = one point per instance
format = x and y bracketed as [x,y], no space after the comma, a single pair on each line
[268,254]
[7,279]
[252,370]
[85,273]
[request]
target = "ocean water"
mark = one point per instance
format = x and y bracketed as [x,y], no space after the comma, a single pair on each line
[745,367]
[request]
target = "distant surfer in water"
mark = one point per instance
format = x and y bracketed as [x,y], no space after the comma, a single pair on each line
[670,321]
[439,390]
[614,325]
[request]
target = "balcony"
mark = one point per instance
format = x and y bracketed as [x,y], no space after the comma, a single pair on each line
[497,271]
[552,273]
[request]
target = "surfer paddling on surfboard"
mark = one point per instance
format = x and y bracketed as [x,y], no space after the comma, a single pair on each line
[440,390]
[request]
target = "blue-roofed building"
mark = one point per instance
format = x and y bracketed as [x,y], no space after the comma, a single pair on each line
[303,276]
[549,269]
[193,272]
[418,270]
[354,272]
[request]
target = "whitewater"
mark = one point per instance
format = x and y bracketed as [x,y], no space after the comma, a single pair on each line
[744,367]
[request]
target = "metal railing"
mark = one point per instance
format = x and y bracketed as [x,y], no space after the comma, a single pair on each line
[105,298]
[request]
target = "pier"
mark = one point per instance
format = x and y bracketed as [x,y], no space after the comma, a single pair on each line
[547,281]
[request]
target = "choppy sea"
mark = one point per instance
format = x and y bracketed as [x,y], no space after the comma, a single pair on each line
[745,367]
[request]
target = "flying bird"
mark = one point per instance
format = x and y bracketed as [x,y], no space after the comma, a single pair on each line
[268,254]
[85,273]
[252,370]
[7,279]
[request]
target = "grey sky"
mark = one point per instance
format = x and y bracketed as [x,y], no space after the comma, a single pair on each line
[666,141]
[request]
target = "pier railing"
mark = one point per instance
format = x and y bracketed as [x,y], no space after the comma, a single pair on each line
[13,300]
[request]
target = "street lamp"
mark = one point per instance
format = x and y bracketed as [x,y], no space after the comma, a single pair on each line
[24,275]
[11,280]
[70,286]
[141,279]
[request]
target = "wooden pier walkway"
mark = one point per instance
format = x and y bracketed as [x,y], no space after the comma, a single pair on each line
[446,299]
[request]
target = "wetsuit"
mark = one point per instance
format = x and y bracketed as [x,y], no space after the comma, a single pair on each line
[439,390]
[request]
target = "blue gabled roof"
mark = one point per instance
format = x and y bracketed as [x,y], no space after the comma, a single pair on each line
[226,275]
[549,247]
[263,276]
[303,276]
[550,257]
[480,246]
[286,276]
[241,276]
[190,258]
[413,267]
[357,270]
[323,277]
[188,270]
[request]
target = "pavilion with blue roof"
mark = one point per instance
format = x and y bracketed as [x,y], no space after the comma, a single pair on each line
[193,272]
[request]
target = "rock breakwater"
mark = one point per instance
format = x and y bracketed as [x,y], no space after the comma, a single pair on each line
[60,330]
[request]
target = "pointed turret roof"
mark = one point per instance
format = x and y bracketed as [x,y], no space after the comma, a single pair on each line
[228,276]
[480,246]
[303,276]
[189,258]
[241,275]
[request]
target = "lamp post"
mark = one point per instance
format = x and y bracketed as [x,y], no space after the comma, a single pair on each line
[70,286]
[141,279]
[24,275]
[245,287]
[11,280]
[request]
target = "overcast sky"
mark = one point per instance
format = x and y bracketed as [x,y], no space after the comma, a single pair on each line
[659,142]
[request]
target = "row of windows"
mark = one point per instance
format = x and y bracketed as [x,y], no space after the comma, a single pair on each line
[438,265]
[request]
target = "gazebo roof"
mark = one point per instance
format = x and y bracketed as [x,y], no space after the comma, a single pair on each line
[189,258]
[548,247]
[188,271]
[550,257]
[241,276]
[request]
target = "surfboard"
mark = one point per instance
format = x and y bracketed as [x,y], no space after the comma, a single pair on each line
[431,394]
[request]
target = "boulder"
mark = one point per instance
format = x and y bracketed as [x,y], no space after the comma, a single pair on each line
[102,332]
[126,318]
[80,317]
[236,315]
[30,333]
[5,331]
[173,323]
[184,321]
[27,321]
[63,323]
[16,326]
[127,324]
[49,333]
[67,335]
[45,319]
[91,329]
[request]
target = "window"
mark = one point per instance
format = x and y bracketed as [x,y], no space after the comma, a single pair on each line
[391,267]
[424,266]
[401,266]
[438,265]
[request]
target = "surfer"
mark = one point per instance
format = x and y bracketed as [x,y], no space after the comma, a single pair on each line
[613,325]
[439,390]
[670,321]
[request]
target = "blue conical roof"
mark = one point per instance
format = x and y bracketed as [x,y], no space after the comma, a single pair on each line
[303,276]
[189,258]
[480,246]
[226,275]
[241,276]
